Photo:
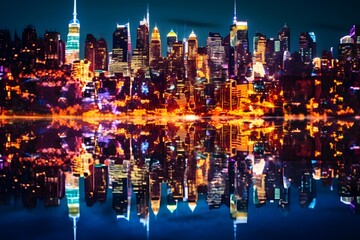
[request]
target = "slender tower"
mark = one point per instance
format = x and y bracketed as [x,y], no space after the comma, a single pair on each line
[235,17]
[72,49]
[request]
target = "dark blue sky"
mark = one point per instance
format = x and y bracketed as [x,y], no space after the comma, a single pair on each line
[329,19]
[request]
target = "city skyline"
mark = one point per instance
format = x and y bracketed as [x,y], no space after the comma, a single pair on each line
[331,23]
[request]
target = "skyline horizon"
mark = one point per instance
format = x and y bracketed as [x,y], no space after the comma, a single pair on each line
[182,26]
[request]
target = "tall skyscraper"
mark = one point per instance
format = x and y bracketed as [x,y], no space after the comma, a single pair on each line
[216,52]
[284,37]
[52,49]
[90,46]
[101,55]
[191,56]
[307,43]
[259,47]
[121,53]
[140,58]
[239,47]
[155,46]
[171,38]
[5,46]
[72,50]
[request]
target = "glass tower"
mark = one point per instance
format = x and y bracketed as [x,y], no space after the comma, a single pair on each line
[72,49]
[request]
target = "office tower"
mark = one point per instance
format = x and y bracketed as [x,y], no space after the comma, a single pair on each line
[307,43]
[101,55]
[72,51]
[259,47]
[192,51]
[28,47]
[216,53]
[171,38]
[5,46]
[284,37]
[140,58]
[52,49]
[346,49]
[239,47]
[155,47]
[90,46]
[72,192]
[121,49]
[355,35]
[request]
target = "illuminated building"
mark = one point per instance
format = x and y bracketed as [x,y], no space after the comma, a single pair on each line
[346,50]
[284,37]
[140,58]
[72,50]
[28,47]
[72,193]
[192,50]
[171,38]
[239,47]
[307,44]
[81,70]
[5,46]
[155,47]
[259,47]
[90,46]
[53,50]
[216,53]
[101,56]
[121,51]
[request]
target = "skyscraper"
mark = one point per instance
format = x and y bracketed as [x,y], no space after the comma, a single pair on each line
[284,37]
[239,47]
[216,52]
[307,43]
[72,50]
[101,55]
[90,46]
[171,38]
[155,46]
[52,49]
[140,59]
[121,49]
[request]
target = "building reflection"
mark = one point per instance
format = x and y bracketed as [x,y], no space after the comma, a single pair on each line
[147,165]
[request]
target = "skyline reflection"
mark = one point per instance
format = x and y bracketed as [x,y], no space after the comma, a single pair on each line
[156,178]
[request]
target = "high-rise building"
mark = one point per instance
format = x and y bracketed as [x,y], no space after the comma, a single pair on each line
[284,37]
[101,55]
[155,46]
[90,46]
[121,53]
[28,48]
[140,58]
[72,50]
[355,35]
[216,53]
[171,38]
[307,44]
[259,47]
[5,46]
[239,47]
[192,51]
[52,49]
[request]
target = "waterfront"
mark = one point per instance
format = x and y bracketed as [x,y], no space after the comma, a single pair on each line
[162,178]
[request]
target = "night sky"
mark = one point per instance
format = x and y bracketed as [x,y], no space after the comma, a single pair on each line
[329,19]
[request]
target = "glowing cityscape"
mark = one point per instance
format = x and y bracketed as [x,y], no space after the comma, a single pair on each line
[43,75]
[162,137]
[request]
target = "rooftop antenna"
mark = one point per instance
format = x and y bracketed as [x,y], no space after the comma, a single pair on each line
[74,13]
[235,17]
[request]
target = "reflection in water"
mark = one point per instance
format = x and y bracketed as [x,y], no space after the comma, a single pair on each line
[147,167]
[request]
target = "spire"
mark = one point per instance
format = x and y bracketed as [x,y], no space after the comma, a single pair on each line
[148,15]
[74,14]
[235,17]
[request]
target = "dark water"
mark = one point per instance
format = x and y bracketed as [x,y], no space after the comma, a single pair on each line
[179,179]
